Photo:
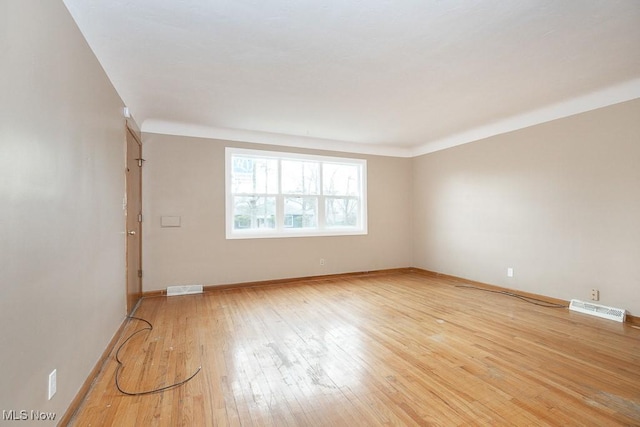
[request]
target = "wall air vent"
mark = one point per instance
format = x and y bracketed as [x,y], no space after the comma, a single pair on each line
[611,313]
[184,290]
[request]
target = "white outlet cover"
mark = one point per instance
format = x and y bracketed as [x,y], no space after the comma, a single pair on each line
[52,383]
[509,272]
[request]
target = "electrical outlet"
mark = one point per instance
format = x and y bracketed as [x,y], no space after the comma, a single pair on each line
[509,272]
[595,295]
[322,262]
[52,383]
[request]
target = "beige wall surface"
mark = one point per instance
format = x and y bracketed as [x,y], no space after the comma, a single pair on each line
[185,177]
[62,289]
[558,202]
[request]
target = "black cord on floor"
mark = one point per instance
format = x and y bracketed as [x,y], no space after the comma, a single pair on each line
[121,365]
[530,300]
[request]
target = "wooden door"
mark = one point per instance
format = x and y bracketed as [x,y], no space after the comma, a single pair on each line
[134,220]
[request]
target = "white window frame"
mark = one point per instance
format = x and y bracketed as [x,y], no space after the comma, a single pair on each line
[280,231]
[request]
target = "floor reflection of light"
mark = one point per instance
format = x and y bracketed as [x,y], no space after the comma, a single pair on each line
[320,361]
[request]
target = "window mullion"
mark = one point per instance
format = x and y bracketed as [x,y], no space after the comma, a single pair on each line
[321,208]
[279,201]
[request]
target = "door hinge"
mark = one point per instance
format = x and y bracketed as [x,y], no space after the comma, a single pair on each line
[139,217]
[140,273]
[140,160]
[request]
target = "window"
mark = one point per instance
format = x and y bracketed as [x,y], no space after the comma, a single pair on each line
[273,194]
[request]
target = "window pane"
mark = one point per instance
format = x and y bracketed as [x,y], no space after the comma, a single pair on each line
[300,177]
[340,179]
[300,212]
[251,175]
[254,212]
[342,212]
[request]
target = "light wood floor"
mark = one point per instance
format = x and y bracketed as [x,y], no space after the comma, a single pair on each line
[401,349]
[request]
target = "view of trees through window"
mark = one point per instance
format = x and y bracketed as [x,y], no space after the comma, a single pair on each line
[282,191]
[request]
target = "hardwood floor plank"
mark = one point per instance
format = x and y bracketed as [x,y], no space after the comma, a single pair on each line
[394,349]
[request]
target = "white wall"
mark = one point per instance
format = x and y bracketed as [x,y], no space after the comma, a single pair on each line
[558,202]
[62,280]
[185,177]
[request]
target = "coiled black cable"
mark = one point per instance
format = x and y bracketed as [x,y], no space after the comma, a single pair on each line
[121,365]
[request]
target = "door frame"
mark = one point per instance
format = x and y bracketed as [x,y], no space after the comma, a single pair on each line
[133,291]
